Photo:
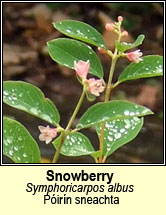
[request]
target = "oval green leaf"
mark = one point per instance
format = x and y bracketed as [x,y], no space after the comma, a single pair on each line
[76,144]
[151,66]
[80,31]
[18,144]
[106,111]
[119,132]
[27,97]
[122,47]
[66,51]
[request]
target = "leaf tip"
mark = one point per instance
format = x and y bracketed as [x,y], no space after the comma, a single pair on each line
[147,111]
[151,112]
[79,126]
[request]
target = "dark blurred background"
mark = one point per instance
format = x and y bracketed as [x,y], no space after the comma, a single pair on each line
[26,29]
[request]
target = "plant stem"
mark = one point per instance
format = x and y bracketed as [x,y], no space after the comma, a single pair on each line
[65,132]
[76,110]
[56,156]
[108,89]
[115,85]
[107,97]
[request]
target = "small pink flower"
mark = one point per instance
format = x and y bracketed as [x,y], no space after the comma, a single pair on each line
[95,87]
[82,68]
[120,18]
[109,26]
[135,56]
[47,133]
[125,33]
[102,51]
[114,26]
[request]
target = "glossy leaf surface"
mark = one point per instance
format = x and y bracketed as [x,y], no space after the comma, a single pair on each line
[119,132]
[66,51]
[112,110]
[126,46]
[27,97]
[18,144]
[80,31]
[150,66]
[76,144]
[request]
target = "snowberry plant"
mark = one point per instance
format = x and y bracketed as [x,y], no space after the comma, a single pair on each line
[117,122]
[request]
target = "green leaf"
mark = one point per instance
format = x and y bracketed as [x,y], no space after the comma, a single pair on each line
[27,97]
[80,31]
[76,144]
[66,51]
[151,66]
[107,111]
[119,132]
[122,47]
[18,144]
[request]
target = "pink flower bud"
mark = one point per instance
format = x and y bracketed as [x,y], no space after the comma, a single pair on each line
[102,51]
[135,56]
[125,33]
[95,87]
[47,133]
[120,18]
[109,27]
[82,68]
